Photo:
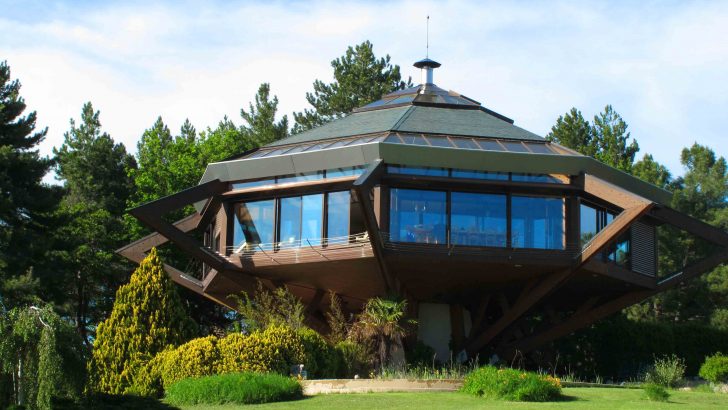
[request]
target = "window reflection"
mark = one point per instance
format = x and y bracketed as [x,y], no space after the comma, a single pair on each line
[478,219]
[253,225]
[592,220]
[425,171]
[418,216]
[337,221]
[537,222]
[462,173]
[301,221]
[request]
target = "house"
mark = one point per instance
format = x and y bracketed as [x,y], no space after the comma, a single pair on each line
[499,239]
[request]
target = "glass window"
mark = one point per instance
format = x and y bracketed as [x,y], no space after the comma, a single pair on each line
[312,219]
[393,138]
[418,216]
[514,146]
[254,222]
[620,252]
[490,145]
[253,184]
[290,222]
[462,173]
[465,143]
[588,223]
[539,148]
[426,171]
[478,219]
[344,172]
[411,139]
[537,222]
[536,178]
[309,176]
[439,142]
[337,221]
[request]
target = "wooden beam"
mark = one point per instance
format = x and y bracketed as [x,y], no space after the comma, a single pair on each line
[361,189]
[522,304]
[457,327]
[137,250]
[610,232]
[691,225]
[619,273]
[584,318]
[611,193]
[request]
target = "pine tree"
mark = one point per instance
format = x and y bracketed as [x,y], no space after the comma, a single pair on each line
[148,316]
[25,201]
[262,127]
[611,137]
[95,174]
[573,131]
[359,78]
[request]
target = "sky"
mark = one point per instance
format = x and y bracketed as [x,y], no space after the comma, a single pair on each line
[662,65]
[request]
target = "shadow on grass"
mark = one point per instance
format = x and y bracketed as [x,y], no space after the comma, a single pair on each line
[114,402]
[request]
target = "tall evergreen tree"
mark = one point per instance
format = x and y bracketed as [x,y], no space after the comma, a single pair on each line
[262,127]
[573,131]
[611,137]
[95,173]
[92,167]
[359,78]
[25,201]
[649,170]
[148,316]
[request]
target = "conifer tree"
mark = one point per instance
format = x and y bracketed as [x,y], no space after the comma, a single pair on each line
[573,131]
[147,316]
[25,201]
[359,78]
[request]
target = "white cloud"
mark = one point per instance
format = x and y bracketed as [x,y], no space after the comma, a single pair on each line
[665,69]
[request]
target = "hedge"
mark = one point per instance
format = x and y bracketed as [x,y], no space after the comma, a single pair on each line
[620,348]
[238,388]
[274,350]
[511,384]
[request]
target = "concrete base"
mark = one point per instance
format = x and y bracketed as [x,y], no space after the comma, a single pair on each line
[313,387]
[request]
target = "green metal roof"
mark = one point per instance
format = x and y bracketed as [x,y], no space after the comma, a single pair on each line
[415,118]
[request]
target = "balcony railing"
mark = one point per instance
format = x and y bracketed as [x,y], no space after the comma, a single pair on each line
[303,251]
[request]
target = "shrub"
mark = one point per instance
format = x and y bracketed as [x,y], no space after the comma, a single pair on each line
[511,384]
[667,371]
[148,315]
[322,359]
[421,355]
[715,368]
[355,359]
[655,392]
[239,388]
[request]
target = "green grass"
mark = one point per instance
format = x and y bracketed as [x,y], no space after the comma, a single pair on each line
[577,398]
[241,388]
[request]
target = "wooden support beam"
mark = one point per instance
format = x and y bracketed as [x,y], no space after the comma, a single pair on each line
[691,225]
[137,250]
[584,317]
[610,232]
[457,325]
[362,187]
[522,304]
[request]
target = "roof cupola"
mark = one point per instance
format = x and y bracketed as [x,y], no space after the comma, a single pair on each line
[427,66]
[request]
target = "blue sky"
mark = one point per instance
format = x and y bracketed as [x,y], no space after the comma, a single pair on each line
[662,65]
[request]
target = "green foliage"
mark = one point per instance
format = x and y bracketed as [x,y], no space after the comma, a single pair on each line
[606,139]
[94,171]
[420,354]
[715,368]
[25,201]
[649,170]
[198,357]
[262,127]
[269,308]
[620,349]
[237,388]
[322,359]
[147,317]
[656,392]
[667,371]
[359,78]
[573,131]
[511,384]
[338,324]
[355,359]
[383,323]
[43,354]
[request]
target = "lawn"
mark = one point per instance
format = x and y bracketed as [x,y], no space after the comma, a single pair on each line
[578,398]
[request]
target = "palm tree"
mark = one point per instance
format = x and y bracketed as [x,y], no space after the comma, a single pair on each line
[383,320]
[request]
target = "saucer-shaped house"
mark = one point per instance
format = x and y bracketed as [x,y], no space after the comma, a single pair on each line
[498,239]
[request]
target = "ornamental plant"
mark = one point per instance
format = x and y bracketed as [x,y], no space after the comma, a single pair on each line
[42,355]
[147,317]
[715,368]
[511,384]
